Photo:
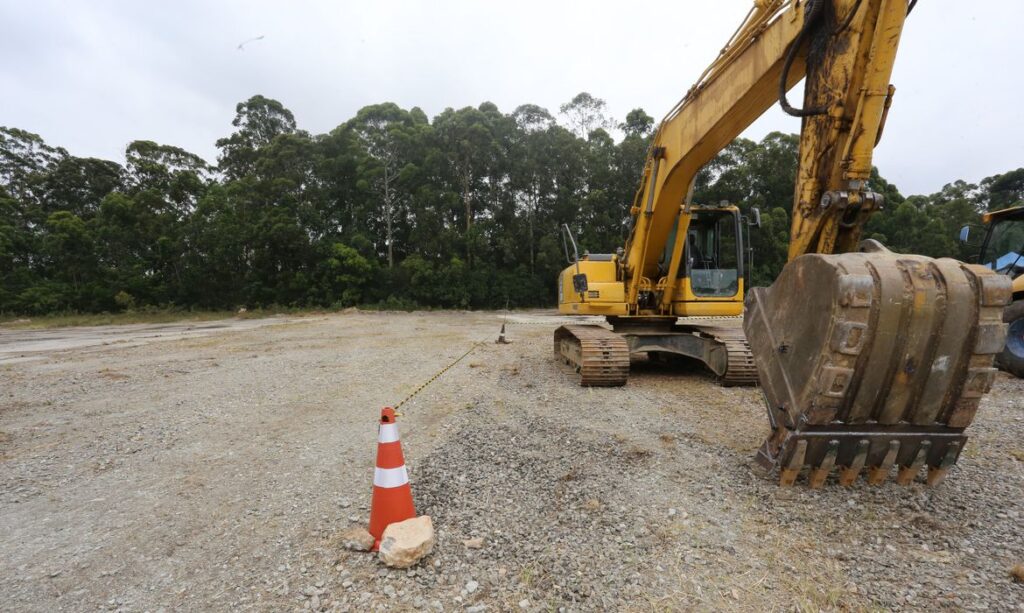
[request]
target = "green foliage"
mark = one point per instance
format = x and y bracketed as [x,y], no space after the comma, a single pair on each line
[390,209]
[124,300]
[345,275]
[638,123]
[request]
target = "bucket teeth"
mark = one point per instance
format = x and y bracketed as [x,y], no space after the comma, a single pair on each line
[878,474]
[796,462]
[849,456]
[907,474]
[849,474]
[819,474]
[937,473]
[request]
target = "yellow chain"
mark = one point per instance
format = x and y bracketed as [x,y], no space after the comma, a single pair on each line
[438,374]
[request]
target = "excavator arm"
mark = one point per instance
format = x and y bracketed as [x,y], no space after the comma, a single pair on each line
[850,46]
[733,92]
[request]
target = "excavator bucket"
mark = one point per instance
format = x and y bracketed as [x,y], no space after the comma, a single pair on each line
[873,360]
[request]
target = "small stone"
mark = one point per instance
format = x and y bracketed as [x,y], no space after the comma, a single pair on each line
[346,584]
[672,512]
[1018,573]
[524,604]
[405,543]
[389,591]
[471,586]
[475,543]
[314,603]
[357,539]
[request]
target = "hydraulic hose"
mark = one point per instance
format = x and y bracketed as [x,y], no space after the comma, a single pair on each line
[811,15]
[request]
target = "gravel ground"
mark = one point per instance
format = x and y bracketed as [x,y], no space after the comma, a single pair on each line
[217,473]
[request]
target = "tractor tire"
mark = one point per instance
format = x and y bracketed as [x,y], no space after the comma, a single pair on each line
[1012,358]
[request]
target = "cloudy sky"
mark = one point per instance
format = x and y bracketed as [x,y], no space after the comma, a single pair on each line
[92,76]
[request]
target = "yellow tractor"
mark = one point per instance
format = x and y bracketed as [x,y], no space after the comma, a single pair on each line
[1002,250]
[868,359]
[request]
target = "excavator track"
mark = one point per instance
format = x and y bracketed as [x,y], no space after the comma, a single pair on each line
[741,370]
[598,355]
[601,356]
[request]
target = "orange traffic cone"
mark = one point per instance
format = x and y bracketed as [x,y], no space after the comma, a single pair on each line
[392,496]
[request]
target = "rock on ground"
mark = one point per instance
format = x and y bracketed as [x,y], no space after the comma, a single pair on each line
[405,543]
[357,539]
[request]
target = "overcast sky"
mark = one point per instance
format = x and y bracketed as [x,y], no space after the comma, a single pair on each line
[93,76]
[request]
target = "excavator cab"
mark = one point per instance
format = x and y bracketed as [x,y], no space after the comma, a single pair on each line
[714,253]
[713,268]
[709,280]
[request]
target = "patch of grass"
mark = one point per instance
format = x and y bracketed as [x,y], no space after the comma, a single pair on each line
[527,575]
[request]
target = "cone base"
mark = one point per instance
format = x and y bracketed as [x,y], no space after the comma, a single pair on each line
[389,506]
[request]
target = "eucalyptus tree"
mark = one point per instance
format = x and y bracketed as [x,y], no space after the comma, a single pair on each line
[585,113]
[387,136]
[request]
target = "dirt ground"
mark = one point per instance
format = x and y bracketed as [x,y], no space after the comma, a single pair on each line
[149,469]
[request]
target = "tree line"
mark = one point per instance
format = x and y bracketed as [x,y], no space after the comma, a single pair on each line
[390,208]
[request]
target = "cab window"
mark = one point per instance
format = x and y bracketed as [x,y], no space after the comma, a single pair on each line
[713,254]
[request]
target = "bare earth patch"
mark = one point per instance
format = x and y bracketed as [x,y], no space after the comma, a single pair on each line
[216,471]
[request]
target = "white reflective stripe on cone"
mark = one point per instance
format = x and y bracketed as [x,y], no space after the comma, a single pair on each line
[388,433]
[390,477]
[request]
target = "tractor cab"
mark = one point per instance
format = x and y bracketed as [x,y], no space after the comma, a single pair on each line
[1003,250]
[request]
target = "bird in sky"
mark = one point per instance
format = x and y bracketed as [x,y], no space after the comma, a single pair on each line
[241,45]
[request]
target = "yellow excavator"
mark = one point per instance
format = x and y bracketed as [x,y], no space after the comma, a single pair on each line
[867,359]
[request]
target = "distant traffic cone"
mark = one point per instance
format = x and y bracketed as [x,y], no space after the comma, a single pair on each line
[392,496]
